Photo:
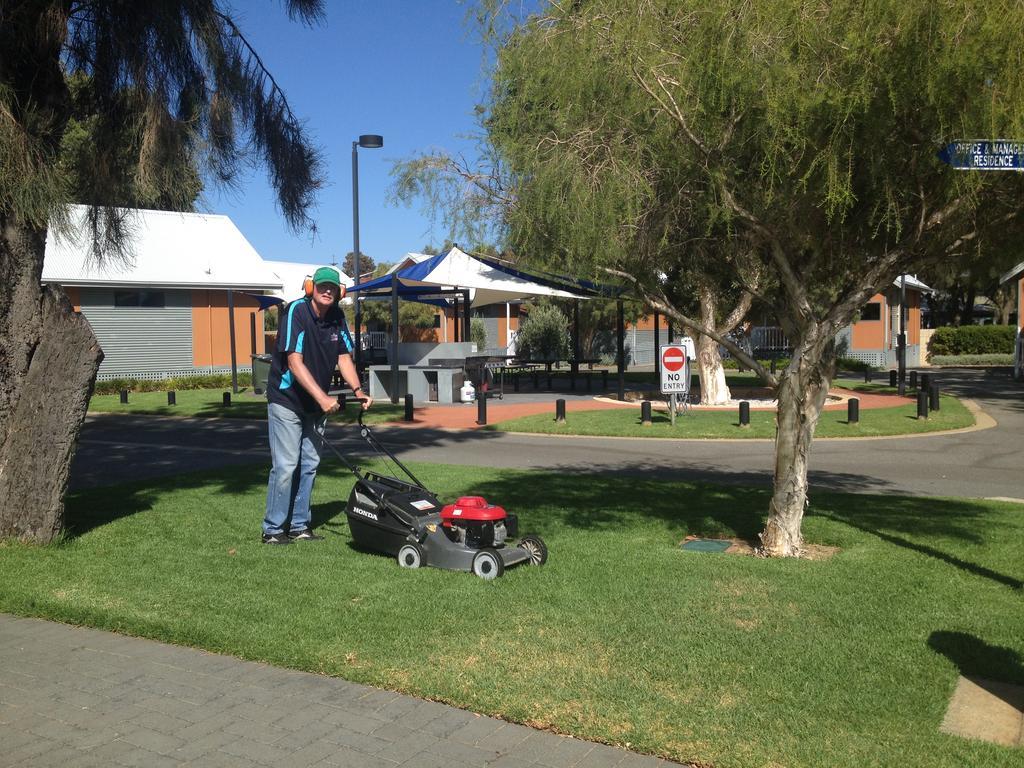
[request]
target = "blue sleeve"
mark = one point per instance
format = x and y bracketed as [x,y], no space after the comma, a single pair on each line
[292,328]
[345,345]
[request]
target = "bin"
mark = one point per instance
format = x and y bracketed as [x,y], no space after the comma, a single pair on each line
[260,373]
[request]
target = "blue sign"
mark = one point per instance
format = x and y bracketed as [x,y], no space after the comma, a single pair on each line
[997,155]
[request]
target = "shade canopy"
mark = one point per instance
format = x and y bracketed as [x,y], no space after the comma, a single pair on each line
[488,281]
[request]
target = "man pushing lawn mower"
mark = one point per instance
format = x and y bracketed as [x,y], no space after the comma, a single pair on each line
[312,340]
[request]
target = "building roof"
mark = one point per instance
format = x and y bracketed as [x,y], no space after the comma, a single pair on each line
[292,273]
[914,284]
[1013,273]
[171,250]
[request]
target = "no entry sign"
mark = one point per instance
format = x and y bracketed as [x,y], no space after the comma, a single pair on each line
[675,369]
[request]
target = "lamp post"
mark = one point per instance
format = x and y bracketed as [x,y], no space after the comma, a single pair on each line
[366,141]
[901,346]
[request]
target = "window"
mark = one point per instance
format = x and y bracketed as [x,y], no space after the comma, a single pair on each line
[139,299]
[872,311]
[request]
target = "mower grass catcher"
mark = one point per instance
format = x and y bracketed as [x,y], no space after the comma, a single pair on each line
[405,520]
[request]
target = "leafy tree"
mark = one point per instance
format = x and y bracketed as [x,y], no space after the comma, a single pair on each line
[544,334]
[478,333]
[367,266]
[194,88]
[803,141]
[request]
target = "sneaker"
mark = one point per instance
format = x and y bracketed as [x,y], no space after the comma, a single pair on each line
[305,535]
[275,538]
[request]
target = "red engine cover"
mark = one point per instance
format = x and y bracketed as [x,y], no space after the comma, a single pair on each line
[474,508]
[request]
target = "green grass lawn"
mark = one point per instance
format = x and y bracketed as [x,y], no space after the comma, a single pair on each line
[209,403]
[696,424]
[722,660]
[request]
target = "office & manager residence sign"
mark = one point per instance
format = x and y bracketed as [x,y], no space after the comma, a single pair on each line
[994,155]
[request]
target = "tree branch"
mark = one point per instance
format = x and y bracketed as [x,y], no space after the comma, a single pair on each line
[659,303]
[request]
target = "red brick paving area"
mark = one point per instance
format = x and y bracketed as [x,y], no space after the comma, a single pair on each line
[463,416]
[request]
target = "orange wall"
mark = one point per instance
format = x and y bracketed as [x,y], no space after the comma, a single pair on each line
[646,323]
[75,297]
[211,336]
[870,334]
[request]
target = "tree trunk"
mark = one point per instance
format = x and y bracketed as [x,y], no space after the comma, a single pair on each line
[713,389]
[48,366]
[801,392]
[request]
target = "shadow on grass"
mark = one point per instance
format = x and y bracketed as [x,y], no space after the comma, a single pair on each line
[931,518]
[977,659]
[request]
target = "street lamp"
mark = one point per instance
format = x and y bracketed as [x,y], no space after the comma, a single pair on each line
[367,141]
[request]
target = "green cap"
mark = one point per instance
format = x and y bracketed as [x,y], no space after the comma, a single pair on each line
[327,275]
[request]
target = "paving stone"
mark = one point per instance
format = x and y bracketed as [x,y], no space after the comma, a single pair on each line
[464,753]
[510,761]
[74,698]
[197,750]
[263,754]
[360,741]
[406,746]
[602,756]
[476,730]
[506,738]
[445,725]
[152,741]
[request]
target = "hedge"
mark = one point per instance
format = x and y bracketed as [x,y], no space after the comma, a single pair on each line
[988,359]
[209,381]
[972,340]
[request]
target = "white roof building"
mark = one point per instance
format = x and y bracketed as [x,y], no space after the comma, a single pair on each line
[172,250]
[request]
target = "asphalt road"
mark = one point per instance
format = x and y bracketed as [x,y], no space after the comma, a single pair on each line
[980,463]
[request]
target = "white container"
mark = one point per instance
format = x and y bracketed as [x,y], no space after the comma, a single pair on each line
[467,393]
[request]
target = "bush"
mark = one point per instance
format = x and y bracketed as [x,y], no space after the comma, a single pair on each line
[478,333]
[544,335]
[972,340]
[206,381]
[989,359]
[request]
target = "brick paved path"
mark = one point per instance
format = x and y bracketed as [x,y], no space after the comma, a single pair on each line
[78,698]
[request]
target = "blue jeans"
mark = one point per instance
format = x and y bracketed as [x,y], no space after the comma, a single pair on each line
[295,441]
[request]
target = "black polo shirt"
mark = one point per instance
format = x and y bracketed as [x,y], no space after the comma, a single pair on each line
[319,340]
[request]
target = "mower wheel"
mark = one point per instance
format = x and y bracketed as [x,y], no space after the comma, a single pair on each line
[411,555]
[535,548]
[487,564]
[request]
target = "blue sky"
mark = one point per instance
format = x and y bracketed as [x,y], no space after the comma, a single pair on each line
[410,71]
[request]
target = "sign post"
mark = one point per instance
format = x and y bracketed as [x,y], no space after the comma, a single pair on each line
[675,374]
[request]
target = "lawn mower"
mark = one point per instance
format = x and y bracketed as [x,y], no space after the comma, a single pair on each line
[403,519]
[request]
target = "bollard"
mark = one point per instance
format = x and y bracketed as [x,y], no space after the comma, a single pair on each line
[744,414]
[124,396]
[560,411]
[481,408]
[853,411]
[645,413]
[408,407]
[913,379]
[892,378]
[867,375]
[926,381]
[934,397]
[604,379]
[226,400]
[773,366]
[922,404]
[172,399]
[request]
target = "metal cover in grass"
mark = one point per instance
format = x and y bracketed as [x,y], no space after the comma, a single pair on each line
[706,545]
